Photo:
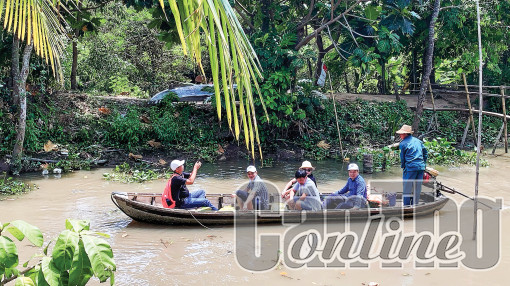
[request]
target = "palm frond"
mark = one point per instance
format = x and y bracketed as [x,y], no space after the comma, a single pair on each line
[37,22]
[231,56]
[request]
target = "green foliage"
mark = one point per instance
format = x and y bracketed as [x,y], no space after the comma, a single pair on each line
[126,129]
[78,255]
[442,152]
[121,85]
[9,186]
[126,55]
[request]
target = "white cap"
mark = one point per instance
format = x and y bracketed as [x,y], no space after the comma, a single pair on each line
[251,169]
[352,166]
[176,164]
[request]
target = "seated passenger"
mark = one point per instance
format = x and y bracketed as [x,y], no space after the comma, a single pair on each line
[255,196]
[303,195]
[177,195]
[355,192]
[307,167]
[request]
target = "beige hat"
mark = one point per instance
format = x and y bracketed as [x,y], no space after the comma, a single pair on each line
[306,165]
[251,169]
[406,129]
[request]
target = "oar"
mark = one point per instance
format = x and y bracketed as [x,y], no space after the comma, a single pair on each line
[447,189]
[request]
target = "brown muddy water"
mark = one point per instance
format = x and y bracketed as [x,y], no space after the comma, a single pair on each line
[169,255]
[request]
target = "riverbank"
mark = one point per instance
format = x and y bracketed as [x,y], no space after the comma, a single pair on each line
[77,131]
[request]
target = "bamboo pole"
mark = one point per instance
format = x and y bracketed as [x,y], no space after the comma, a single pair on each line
[503,104]
[480,115]
[336,116]
[470,109]
[467,110]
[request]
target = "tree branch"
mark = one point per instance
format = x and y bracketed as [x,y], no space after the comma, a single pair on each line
[306,19]
[90,8]
[334,44]
[352,31]
[245,18]
[312,35]
[7,280]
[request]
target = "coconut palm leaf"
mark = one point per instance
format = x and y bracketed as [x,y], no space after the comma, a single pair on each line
[231,56]
[36,22]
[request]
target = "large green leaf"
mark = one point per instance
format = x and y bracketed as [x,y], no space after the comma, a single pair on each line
[24,281]
[50,272]
[21,229]
[101,256]
[81,270]
[372,12]
[8,253]
[64,249]
[77,225]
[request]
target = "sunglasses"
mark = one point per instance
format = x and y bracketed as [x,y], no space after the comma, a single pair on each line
[308,170]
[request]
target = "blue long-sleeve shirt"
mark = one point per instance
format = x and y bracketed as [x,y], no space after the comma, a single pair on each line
[413,155]
[356,187]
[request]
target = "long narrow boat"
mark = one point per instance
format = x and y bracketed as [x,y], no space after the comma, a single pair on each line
[146,207]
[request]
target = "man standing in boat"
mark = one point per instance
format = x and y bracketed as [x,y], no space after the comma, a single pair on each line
[413,157]
[352,195]
[177,195]
[256,195]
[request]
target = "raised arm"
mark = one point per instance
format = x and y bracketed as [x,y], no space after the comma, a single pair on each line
[193,175]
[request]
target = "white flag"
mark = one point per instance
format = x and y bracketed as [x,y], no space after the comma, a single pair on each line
[322,78]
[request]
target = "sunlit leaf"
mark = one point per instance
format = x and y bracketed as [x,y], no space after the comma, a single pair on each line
[81,270]
[24,281]
[64,249]
[29,231]
[100,255]
[8,253]
[50,272]
[77,225]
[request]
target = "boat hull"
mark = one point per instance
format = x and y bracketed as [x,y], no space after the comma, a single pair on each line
[146,207]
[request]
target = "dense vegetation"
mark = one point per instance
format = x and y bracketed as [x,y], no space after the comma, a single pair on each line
[130,48]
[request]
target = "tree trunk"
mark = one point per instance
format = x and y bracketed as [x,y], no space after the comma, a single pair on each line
[265,7]
[427,68]
[14,67]
[347,83]
[321,52]
[383,76]
[415,64]
[74,65]
[20,92]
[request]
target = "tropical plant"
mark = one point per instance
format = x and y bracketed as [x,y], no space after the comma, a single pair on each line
[78,255]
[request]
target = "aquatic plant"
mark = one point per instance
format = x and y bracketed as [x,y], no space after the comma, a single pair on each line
[9,186]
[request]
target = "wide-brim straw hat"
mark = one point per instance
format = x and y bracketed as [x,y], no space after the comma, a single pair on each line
[306,165]
[406,129]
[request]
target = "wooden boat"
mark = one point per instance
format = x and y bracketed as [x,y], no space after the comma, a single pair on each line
[146,207]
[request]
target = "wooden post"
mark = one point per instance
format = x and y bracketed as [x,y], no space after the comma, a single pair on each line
[470,109]
[465,133]
[433,105]
[336,116]
[497,139]
[368,163]
[503,104]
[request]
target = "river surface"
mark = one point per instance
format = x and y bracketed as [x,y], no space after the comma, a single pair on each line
[165,255]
